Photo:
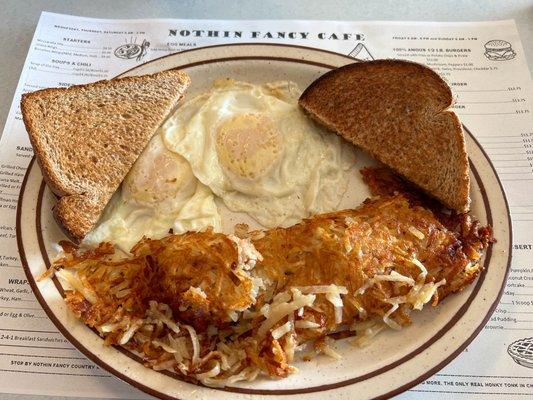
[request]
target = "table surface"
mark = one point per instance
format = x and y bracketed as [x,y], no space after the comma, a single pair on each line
[20,19]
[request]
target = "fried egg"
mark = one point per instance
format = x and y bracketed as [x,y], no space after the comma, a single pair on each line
[159,193]
[256,150]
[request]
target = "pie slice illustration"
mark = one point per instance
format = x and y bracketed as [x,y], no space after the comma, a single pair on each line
[522,352]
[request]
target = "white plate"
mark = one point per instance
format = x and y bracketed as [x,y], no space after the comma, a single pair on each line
[394,362]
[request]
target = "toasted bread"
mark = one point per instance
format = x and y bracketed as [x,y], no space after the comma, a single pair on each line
[87,137]
[397,111]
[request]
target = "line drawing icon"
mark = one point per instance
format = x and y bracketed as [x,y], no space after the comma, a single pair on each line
[132,50]
[521,351]
[499,50]
[360,51]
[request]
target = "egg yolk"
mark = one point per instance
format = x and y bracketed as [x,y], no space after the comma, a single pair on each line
[157,176]
[248,145]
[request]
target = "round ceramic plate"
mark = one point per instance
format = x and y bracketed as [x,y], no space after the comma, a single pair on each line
[392,363]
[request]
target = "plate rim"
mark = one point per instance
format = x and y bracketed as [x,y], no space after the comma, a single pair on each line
[157,393]
[258,44]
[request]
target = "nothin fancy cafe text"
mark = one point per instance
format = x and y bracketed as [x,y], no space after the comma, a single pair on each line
[265,35]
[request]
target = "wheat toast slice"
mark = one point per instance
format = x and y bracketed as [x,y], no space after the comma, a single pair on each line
[87,137]
[398,111]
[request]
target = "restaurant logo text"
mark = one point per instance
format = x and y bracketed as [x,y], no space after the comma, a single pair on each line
[262,35]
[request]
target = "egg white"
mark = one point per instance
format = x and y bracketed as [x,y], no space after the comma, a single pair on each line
[254,148]
[159,193]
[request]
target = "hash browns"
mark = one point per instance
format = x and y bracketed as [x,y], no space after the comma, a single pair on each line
[219,308]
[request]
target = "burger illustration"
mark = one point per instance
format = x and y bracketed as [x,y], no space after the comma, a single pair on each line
[522,352]
[499,50]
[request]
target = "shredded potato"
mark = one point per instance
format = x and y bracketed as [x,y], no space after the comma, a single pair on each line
[220,308]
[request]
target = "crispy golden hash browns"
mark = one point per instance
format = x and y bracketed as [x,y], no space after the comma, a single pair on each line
[220,308]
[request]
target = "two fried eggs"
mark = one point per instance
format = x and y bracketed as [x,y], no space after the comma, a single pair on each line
[239,148]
